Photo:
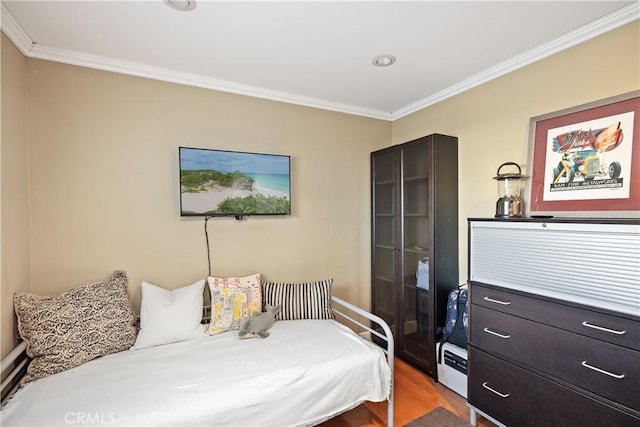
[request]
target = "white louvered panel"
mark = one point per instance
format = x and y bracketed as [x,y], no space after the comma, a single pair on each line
[592,264]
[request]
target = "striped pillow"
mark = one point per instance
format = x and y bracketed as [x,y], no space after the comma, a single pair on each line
[300,300]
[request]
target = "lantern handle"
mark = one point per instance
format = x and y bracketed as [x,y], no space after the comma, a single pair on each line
[509,164]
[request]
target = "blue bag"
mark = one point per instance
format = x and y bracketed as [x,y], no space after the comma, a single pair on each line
[456,327]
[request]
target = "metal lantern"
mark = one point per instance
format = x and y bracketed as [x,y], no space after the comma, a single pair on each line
[509,205]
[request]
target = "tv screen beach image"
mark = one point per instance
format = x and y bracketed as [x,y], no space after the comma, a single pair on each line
[216,182]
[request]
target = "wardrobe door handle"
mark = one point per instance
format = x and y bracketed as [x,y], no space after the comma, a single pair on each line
[497,301]
[498,334]
[502,395]
[600,328]
[602,371]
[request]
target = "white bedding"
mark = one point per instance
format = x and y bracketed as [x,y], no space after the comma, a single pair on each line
[305,372]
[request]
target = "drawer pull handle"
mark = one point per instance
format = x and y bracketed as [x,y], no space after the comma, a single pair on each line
[502,395]
[602,371]
[600,328]
[498,334]
[497,301]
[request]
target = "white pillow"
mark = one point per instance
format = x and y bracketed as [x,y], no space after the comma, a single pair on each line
[170,316]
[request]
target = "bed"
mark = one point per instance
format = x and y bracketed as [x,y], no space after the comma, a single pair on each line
[304,373]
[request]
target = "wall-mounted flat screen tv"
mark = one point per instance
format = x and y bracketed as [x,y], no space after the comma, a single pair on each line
[233,183]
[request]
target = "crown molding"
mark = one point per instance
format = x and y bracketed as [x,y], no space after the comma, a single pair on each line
[14,31]
[586,32]
[32,50]
[196,80]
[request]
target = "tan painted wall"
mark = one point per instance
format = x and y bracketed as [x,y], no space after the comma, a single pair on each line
[14,169]
[103,162]
[492,120]
[104,173]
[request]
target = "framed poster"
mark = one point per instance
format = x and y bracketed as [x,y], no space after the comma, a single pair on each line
[585,161]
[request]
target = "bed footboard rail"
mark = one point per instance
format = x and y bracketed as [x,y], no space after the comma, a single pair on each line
[17,360]
[386,336]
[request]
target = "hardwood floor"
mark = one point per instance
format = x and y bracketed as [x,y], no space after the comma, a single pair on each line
[415,395]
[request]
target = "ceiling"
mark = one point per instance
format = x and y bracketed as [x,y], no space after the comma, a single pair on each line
[314,53]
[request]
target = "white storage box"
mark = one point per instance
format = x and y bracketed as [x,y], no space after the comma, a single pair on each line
[452,368]
[422,274]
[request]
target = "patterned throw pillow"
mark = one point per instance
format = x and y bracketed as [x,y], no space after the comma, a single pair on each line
[300,300]
[81,324]
[233,299]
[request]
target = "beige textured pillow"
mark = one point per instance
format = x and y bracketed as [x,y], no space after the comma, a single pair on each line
[81,324]
[233,299]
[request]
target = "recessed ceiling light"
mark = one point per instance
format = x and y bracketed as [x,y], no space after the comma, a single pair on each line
[183,5]
[384,60]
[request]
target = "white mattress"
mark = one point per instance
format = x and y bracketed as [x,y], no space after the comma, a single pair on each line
[305,372]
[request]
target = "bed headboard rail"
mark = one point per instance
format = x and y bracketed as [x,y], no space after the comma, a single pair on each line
[14,366]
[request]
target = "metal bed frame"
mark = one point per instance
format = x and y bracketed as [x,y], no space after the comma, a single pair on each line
[387,337]
[15,363]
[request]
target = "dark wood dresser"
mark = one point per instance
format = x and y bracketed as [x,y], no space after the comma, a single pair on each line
[554,322]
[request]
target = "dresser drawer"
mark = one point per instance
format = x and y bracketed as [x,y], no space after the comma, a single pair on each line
[600,367]
[517,397]
[623,331]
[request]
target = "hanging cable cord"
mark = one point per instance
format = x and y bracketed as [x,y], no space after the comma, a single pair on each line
[206,235]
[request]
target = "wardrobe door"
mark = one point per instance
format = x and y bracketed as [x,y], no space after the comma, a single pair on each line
[385,253]
[414,292]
